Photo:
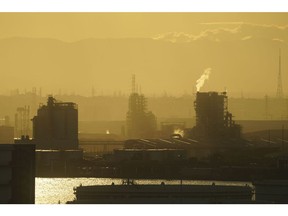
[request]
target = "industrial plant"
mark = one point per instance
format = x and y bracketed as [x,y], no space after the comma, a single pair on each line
[56,125]
[55,136]
[213,148]
[213,120]
[141,123]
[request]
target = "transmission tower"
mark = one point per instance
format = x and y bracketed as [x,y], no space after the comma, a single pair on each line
[133,84]
[279,93]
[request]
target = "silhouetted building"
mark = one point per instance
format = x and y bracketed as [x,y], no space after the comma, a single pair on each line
[212,117]
[271,191]
[56,125]
[17,173]
[150,154]
[140,122]
[57,162]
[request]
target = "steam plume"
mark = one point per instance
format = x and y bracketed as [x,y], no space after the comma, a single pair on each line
[201,80]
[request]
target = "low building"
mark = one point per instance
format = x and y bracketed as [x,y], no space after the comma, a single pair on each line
[57,162]
[271,191]
[17,174]
[150,154]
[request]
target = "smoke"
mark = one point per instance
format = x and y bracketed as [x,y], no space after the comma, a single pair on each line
[201,80]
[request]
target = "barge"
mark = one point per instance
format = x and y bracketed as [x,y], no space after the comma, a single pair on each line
[131,193]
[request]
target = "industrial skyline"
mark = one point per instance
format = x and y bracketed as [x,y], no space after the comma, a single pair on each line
[210,104]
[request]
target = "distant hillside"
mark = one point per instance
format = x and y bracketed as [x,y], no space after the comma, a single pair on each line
[249,66]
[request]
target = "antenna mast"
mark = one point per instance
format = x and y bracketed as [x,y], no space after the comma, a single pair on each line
[279,93]
[133,84]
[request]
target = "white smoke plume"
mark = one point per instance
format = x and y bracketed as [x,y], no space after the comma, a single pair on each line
[201,80]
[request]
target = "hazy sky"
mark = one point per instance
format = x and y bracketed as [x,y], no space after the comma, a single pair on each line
[240,48]
[76,26]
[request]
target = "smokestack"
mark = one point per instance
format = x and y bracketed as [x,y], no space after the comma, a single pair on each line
[201,80]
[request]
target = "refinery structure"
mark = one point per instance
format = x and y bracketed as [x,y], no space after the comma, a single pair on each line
[213,120]
[59,152]
[141,123]
[212,149]
[55,136]
[56,125]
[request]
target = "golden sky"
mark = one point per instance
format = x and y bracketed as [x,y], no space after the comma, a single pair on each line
[77,26]
[168,52]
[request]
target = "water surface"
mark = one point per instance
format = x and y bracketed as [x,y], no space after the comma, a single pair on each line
[60,190]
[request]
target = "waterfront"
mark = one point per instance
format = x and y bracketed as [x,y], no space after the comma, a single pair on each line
[60,190]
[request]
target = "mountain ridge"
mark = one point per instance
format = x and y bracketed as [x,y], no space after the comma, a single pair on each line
[107,64]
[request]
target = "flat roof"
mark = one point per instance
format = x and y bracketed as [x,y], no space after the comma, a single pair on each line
[58,150]
[149,150]
[15,146]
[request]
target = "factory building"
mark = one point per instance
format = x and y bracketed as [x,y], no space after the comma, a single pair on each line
[17,173]
[56,125]
[150,154]
[212,117]
[57,162]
